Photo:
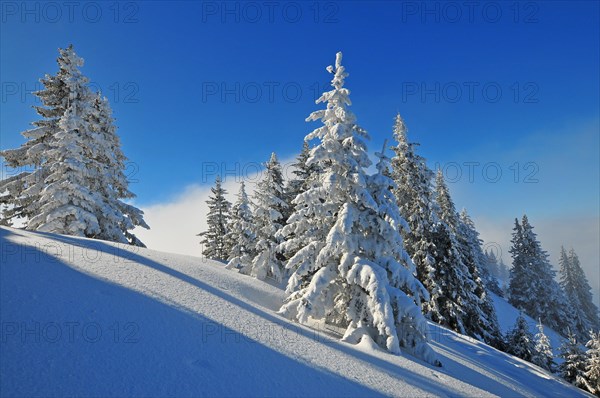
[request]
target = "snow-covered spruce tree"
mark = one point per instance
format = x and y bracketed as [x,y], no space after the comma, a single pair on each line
[493,273]
[591,377]
[386,248]
[270,206]
[467,308]
[543,356]
[572,369]
[302,172]
[482,315]
[570,286]
[67,203]
[504,276]
[519,340]
[586,297]
[303,177]
[579,293]
[214,244]
[491,263]
[348,270]
[413,191]
[241,237]
[77,181]
[450,275]
[22,190]
[116,217]
[520,273]
[532,287]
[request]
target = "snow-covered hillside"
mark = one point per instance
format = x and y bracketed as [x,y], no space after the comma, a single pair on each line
[507,316]
[89,318]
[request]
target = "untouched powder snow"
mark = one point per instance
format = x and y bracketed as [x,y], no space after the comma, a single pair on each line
[81,317]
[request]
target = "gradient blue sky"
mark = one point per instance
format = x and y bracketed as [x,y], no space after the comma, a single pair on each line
[156,61]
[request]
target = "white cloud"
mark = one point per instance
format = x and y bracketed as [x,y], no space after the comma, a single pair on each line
[175,223]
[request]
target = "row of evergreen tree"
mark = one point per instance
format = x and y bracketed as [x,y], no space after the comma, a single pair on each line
[565,305]
[366,253]
[317,230]
[70,173]
[578,367]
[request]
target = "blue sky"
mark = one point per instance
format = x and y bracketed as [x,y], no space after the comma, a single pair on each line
[511,86]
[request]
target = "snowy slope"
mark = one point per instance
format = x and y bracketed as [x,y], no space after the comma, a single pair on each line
[90,318]
[507,316]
